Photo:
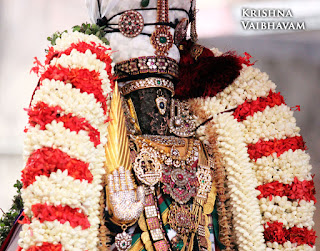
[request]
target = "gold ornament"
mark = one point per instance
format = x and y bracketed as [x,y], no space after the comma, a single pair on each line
[117,148]
[181,122]
[145,237]
[142,223]
[147,166]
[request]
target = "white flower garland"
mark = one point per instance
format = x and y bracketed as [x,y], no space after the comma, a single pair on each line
[287,212]
[76,145]
[288,246]
[251,84]
[73,239]
[71,100]
[283,168]
[241,182]
[67,39]
[59,189]
[272,123]
[87,60]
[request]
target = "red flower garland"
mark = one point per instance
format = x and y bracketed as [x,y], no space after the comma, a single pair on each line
[297,190]
[44,212]
[82,47]
[43,114]
[279,146]
[47,160]
[45,246]
[82,79]
[276,232]
[248,108]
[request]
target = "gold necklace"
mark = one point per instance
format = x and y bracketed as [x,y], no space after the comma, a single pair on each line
[171,154]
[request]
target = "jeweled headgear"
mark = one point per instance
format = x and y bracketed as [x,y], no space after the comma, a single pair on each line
[144,34]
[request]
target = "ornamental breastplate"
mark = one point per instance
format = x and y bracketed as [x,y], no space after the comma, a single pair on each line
[171,161]
[174,170]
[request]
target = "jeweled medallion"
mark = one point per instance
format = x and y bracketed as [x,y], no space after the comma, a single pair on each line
[147,167]
[162,40]
[181,184]
[181,219]
[123,241]
[131,23]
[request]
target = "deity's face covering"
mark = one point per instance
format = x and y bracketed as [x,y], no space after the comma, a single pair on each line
[138,28]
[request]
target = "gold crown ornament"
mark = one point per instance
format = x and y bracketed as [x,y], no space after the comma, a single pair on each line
[144,34]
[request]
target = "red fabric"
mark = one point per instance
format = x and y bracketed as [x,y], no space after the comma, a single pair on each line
[207,75]
[248,108]
[43,114]
[44,247]
[276,232]
[266,148]
[297,190]
[63,214]
[83,79]
[47,160]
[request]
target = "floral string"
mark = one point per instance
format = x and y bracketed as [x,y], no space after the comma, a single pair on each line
[276,154]
[64,146]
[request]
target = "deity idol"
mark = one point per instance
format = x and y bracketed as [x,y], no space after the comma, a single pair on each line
[158,143]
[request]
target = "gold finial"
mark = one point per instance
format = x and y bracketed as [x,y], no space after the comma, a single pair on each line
[117,147]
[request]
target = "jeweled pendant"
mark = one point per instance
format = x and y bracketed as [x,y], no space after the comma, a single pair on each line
[181,219]
[161,103]
[162,40]
[123,241]
[147,166]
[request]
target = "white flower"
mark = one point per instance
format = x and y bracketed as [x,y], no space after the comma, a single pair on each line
[59,188]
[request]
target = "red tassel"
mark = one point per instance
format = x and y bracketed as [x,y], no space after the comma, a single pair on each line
[207,75]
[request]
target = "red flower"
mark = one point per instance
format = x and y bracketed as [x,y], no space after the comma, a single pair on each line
[25,219]
[38,66]
[297,190]
[44,212]
[279,146]
[246,59]
[248,108]
[276,232]
[42,114]
[44,247]
[47,160]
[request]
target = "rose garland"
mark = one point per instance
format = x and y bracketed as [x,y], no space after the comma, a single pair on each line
[249,114]
[64,146]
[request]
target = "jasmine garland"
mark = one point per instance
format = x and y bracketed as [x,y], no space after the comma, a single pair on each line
[64,146]
[263,125]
